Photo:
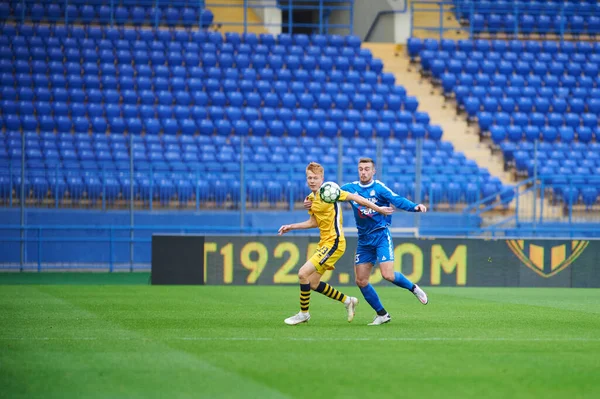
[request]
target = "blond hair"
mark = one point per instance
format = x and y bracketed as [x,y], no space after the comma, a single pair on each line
[315,168]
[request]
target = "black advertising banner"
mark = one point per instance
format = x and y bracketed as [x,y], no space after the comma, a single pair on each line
[266,260]
[176,259]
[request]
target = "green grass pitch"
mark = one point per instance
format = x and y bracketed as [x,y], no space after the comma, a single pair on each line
[95,337]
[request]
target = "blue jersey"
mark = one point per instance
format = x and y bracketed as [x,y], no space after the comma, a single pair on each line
[367,220]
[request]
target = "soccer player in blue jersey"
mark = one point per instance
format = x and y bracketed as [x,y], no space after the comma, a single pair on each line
[374,239]
[332,244]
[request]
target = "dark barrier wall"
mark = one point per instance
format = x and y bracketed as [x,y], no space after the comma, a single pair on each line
[430,262]
[186,251]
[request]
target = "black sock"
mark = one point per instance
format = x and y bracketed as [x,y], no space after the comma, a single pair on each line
[304,297]
[382,312]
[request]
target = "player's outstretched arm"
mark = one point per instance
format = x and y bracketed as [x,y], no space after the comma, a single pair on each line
[384,210]
[421,208]
[308,224]
[399,202]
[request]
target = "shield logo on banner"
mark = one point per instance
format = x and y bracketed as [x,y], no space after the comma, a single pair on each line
[545,259]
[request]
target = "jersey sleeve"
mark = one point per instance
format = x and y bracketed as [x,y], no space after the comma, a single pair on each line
[347,187]
[394,199]
[343,195]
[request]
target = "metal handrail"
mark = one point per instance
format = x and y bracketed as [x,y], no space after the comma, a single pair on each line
[127,228]
[153,14]
[486,200]
[470,8]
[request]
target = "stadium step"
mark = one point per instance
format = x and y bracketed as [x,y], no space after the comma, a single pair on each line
[428,16]
[464,137]
[456,130]
[544,210]
[232,11]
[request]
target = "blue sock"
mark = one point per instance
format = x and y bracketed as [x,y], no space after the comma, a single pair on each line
[402,281]
[372,298]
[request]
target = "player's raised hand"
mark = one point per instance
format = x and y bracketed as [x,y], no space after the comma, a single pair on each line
[307,203]
[421,208]
[284,229]
[386,210]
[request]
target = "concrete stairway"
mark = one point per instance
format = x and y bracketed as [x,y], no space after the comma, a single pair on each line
[455,128]
[234,13]
[429,16]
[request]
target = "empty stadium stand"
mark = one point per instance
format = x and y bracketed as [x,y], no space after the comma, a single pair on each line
[530,17]
[90,101]
[526,96]
[135,12]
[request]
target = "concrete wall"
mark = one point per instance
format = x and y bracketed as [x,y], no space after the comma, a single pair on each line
[402,27]
[270,16]
[390,28]
[364,15]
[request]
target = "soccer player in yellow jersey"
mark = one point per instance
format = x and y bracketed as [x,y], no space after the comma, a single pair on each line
[332,244]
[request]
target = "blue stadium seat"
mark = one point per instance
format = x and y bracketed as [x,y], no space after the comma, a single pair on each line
[589,196]
[351,94]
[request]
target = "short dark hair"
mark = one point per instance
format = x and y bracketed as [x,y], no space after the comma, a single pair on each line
[367,160]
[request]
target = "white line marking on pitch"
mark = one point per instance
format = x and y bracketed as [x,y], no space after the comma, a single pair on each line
[358,339]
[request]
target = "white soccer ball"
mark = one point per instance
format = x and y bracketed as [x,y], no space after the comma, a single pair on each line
[330,192]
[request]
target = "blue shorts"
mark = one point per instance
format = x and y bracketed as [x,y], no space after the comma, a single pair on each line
[376,248]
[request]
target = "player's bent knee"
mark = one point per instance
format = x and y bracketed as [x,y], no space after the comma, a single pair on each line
[389,276]
[387,271]
[303,275]
[362,282]
[306,271]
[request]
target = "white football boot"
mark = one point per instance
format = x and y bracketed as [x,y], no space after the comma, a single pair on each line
[351,307]
[378,320]
[420,294]
[300,317]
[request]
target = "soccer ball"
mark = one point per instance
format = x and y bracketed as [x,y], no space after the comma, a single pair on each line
[330,192]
